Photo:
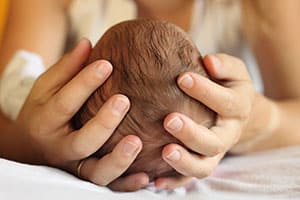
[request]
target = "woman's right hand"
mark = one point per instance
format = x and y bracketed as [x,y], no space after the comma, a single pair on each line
[56,96]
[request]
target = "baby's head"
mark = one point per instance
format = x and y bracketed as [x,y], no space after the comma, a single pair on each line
[147,56]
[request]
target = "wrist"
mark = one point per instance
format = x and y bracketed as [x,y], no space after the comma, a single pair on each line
[263,123]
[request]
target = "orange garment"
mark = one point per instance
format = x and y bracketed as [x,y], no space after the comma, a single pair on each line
[3,13]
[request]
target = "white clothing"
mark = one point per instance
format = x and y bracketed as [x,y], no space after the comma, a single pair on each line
[215,28]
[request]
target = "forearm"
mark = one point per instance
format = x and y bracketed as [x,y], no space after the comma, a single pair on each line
[37,26]
[275,119]
[15,145]
[43,32]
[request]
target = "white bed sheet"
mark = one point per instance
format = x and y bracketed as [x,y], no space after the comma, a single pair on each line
[270,175]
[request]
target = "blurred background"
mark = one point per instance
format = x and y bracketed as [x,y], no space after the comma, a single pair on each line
[3,10]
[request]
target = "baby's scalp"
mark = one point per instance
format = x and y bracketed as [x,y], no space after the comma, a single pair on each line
[147,55]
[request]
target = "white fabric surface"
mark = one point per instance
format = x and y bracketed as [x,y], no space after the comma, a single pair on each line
[270,175]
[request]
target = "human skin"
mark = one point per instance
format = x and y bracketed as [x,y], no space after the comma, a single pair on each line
[263,20]
[50,110]
[148,56]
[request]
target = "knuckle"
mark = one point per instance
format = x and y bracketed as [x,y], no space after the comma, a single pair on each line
[205,92]
[191,133]
[194,137]
[216,150]
[245,111]
[36,126]
[235,140]
[122,163]
[104,125]
[229,106]
[62,107]
[80,152]
[202,173]
[216,147]
[119,161]
[90,79]
[99,180]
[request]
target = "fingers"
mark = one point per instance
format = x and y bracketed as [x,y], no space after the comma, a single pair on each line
[171,183]
[228,131]
[103,171]
[66,68]
[95,132]
[225,67]
[71,97]
[196,137]
[130,183]
[189,164]
[222,100]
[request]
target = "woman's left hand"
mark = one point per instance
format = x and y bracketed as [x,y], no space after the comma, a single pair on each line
[231,96]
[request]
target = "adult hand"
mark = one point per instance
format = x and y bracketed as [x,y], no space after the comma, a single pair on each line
[56,96]
[231,96]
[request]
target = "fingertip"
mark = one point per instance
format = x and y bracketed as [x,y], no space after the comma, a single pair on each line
[169,117]
[143,180]
[120,105]
[83,43]
[102,70]
[131,146]
[160,183]
[171,183]
[185,80]
[168,149]
[106,64]
[140,180]
[130,183]
[122,98]
[133,139]
[173,122]
[171,153]
[213,65]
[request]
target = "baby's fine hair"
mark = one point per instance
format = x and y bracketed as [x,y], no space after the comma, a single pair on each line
[147,57]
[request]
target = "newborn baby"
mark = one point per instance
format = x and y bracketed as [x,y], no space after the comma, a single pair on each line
[147,56]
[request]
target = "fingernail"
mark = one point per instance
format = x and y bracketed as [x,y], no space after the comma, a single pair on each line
[119,106]
[102,69]
[173,156]
[216,61]
[186,81]
[130,148]
[175,124]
